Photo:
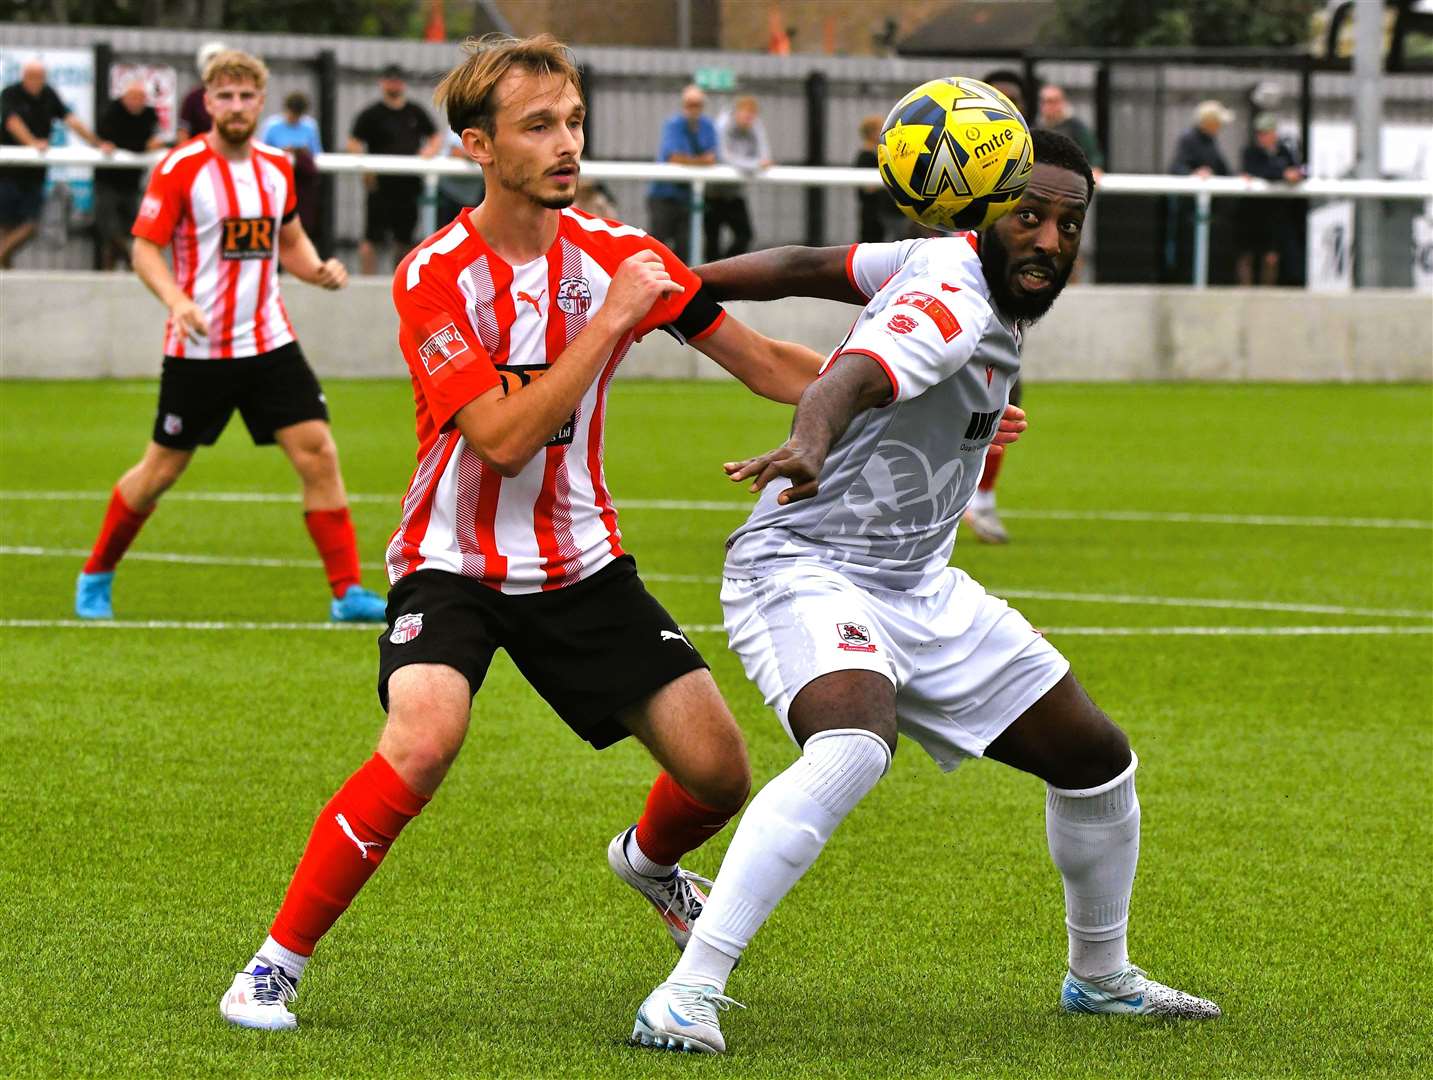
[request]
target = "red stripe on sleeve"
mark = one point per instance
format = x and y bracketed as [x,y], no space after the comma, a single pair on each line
[895,383]
[851,270]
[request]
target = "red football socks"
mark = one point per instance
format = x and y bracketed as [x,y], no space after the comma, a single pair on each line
[993,457]
[332,532]
[348,841]
[121,526]
[673,823]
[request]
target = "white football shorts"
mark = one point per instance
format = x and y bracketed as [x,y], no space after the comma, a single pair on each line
[965,664]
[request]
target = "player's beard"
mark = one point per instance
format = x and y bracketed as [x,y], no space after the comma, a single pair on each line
[529,184]
[1025,307]
[236,131]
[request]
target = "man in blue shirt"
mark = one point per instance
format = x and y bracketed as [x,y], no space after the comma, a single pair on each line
[295,128]
[688,138]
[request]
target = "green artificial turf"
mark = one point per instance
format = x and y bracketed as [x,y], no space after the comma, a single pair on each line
[159,782]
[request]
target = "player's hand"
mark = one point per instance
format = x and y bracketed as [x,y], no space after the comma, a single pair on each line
[332,274]
[1012,426]
[188,316]
[788,460]
[640,282]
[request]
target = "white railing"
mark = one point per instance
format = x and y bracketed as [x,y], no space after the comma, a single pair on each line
[1204,191]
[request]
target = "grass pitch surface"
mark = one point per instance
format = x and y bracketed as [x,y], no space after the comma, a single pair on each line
[1270,662]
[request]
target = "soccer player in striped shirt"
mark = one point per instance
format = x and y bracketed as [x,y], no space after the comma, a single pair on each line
[226,203]
[513,319]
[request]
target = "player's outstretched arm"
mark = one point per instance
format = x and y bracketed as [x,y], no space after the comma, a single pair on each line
[853,384]
[508,425]
[779,370]
[780,272]
[299,257]
[153,269]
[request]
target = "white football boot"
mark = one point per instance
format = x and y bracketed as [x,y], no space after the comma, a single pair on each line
[985,523]
[258,998]
[678,898]
[1132,992]
[682,1017]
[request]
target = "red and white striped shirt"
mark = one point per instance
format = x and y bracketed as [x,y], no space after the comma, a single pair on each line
[469,322]
[224,218]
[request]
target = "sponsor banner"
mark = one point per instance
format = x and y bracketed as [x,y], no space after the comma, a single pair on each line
[1330,247]
[161,91]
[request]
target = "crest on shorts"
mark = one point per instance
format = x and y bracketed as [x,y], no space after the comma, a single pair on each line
[854,637]
[574,295]
[172,424]
[406,628]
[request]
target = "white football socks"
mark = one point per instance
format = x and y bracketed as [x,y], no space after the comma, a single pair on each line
[1094,839]
[780,835]
[272,954]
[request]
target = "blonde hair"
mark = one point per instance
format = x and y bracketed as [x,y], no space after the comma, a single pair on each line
[233,64]
[466,92]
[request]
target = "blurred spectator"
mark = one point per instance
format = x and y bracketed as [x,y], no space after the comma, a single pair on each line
[688,138]
[457,193]
[296,132]
[879,217]
[594,197]
[1267,228]
[28,110]
[193,113]
[130,123]
[1055,115]
[1197,152]
[742,144]
[1012,85]
[392,125]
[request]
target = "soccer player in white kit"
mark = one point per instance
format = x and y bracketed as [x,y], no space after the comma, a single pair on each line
[840,602]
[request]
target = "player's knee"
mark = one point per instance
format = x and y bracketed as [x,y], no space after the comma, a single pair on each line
[1100,755]
[721,783]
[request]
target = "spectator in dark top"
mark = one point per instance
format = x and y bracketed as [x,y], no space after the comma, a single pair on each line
[1055,115]
[879,218]
[392,125]
[296,132]
[130,123]
[1012,85]
[688,138]
[28,110]
[1197,153]
[1267,227]
[193,113]
[742,144]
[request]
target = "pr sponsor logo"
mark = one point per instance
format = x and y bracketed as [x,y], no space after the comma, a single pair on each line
[248,238]
[441,347]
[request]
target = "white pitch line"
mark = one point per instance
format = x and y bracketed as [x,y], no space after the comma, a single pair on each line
[1053,631]
[1214,603]
[744,506]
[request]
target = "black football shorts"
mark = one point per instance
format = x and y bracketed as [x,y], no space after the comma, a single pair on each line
[590,649]
[271,391]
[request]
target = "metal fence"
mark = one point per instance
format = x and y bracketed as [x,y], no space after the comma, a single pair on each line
[811,106]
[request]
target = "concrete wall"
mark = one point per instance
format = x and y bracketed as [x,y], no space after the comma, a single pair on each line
[87,325]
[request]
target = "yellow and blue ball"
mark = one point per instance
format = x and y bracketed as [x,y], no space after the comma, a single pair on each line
[955,153]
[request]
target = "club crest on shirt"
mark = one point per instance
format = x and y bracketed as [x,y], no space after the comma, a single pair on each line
[901,324]
[442,346]
[854,637]
[151,206]
[574,296]
[172,424]
[406,628]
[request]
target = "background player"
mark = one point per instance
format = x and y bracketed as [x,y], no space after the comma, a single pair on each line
[841,604]
[514,318]
[227,204]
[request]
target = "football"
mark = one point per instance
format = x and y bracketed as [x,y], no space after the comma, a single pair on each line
[955,153]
